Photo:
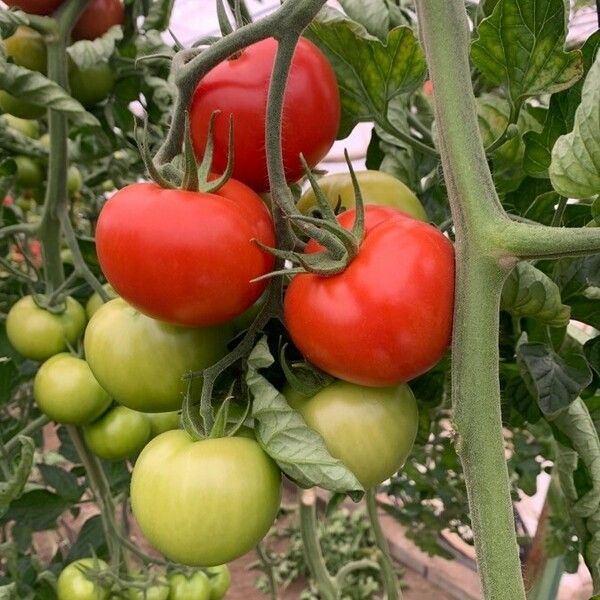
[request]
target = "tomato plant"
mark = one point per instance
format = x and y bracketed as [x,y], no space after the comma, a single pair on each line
[192,500]
[197,587]
[166,227]
[91,85]
[73,584]
[29,173]
[98,17]
[220,580]
[27,48]
[238,87]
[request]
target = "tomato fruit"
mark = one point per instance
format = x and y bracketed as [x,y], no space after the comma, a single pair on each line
[140,362]
[36,7]
[118,434]
[220,581]
[160,591]
[376,187]
[97,18]
[67,392]
[74,180]
[19,108]
[196,587]
[94,302]
[371,430]
[92,85]
[143,230]
[74,585]
[29,172]
[161,422]
[25,126]
[27,49]
[204,503]
[388,316]
[38,334]
[239,86]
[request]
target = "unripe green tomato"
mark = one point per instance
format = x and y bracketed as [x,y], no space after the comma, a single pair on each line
[27,49]
[67,392]
[29,172]
[95,302]
[376,187]
[118,434]
[108,185]
[74,180]
[91,86]
[159,591]
[19,107]
[196,587]
[161,422]
[66,256]
[220,581]
[73,584]
[371,430]
[27,127]
[38,334]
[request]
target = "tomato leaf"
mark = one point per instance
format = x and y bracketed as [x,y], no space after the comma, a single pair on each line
[15,142]
[575,167]
[528,292]
[62,481]
[299,451]
[159,15]
[372,14]
[40,91]
[87,53]
[521,47]
[90,540]
[16,480]
[37,509]
[370,73]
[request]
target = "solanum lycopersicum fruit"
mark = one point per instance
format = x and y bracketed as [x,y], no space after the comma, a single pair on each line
[29,173]
[97,18]
[143,230]
[27,48]
[204,503]
[160,591]
[19,107]
[239,87]
[220,580]
[74,180]
[36,7]
[196,587]
[94,302]
[376,187]
[92,85]
[67,392]
[371,430]
[140,362]
[388,316]
[39,334]
[25,126]
[118,434]
[161,422]
[74,585]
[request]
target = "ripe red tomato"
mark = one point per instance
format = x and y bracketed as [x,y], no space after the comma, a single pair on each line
[388,316]
[185,257]
[239,86]
[35,7]
[98,17]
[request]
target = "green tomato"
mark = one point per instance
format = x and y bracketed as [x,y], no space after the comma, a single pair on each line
[118,434]
[371,430]
[29,172]
[204,503]
[27,127]
[93,85]
[376,187]
[74,180]
[161,422]
[160,591]
[95,302]
[18,107]
[140,362]
[220,581]
[67,392]
[196,587]
[27,49]
[74,585]
[39,334]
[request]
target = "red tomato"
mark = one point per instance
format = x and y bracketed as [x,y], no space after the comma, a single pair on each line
[35,7]
[428,88]
[185,257]
[98,17]
[388,316]
[239,86]
[8,201]
[35,253]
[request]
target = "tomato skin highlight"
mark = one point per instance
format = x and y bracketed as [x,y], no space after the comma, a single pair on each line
[388,317]
[239,87]
[97,18]
[204,503]
[140,362]
[197,246]
[72,583]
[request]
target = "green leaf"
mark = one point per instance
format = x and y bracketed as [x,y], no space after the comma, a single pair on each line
[372,14]
[159,15]
[554,381]
[521,47]
[575,167]
[39,90]
[37,509]
[8,592]
[62,481]
[10,20]
[592,351]
[12,488]
[14,142]
[90,539]
[528,292]
[299,451]
[87,53]
[370,73]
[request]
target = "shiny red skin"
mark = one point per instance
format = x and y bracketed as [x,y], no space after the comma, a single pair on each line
[36,7]
[388,317]
[98,17]
[239,86]
[185,257]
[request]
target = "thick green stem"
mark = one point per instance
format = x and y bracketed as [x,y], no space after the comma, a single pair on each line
[390,580]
